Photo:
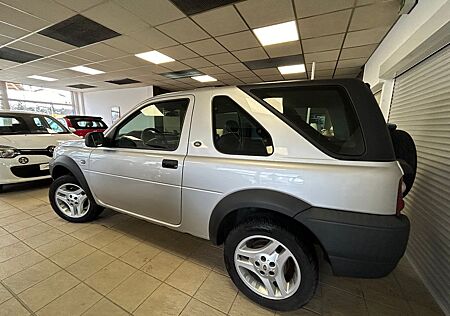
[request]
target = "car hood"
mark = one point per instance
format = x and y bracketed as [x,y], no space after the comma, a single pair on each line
[35,141]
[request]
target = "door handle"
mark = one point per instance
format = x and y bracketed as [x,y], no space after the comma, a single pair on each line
[169,163]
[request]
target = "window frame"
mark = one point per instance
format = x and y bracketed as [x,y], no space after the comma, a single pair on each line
[248,90]
[112,136]
[213,129]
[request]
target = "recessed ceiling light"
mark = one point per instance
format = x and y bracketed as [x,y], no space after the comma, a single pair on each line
[293,69]
[204,78]
[42,78]
[87,70]
[278,33]
[155,57]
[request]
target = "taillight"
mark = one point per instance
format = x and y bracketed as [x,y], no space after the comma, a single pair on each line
[400,201]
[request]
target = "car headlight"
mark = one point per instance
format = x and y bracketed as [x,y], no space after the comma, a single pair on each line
[8,152]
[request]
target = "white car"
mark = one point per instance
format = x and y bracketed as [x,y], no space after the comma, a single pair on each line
[27,141]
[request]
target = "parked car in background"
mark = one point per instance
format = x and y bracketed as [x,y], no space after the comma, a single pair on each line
[81,125]
[27,141]
[268,170]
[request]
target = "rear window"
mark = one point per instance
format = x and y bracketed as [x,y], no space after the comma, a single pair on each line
[12,125]
[88,123]
[324,115]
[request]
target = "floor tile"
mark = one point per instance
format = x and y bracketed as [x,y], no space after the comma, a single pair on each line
[46,291]
[162,265]
[164,301]
[7,239]
[43,238]
[32,231]
[56,246]
[12,307]
[217,291]
[377,309]
[12,251]
[338,301]
[13,227]
[74,302]
[19,263]
[110,276]
[105,308]
[242,306]
[120,246]
[140,255]
[88,232]
[31,276]
[103,238]
[89,265]
[208,256]
[4,221]
[188,277]
[133,291]
[196,308]
[71,255]
[4,294]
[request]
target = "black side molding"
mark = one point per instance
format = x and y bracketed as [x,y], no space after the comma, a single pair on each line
[254,198]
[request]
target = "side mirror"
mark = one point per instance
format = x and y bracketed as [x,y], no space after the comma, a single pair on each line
[94,139]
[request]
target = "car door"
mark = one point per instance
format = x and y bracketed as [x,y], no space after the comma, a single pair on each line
[140,168]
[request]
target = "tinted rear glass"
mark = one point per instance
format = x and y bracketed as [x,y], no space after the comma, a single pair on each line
[324,115]
[12,124]
[86,123]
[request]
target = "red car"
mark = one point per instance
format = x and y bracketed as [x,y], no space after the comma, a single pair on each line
[81,125]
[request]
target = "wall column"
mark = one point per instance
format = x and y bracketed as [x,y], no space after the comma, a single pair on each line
[4,95]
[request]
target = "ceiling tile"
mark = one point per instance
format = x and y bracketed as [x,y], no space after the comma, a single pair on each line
[44,9]
[79,5]
[176,66]
[183,30]
[357,52]
[154,12]
[153,38]
[250,54]
[223,76]
[133,61]
[105,50]
[326,65]
[197,62]
[258,13]
[238,41]
[307,8]
[206,47]
[345,71]
[34,49]
[5,40]
[7,63]
[243,74]
[178,52]
[115,17]
[234,67]
[12,31]
[326,24]
[222,59]
[110,65]
[21,19]
[350,75]
[365,37]
[220,21]
[331,55]
[266,71]
[48,42]
[356,62]
[295,76]
[86,54]
[323,43]
[127,44]
[211,70]
[284,49]
[322,73]
[71,59]
[274,77]
[250,80]
[62,74]
[371,16]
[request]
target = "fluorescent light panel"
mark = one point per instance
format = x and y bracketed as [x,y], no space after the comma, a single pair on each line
[292,69]
[155,57]
[204,78]
[87,70]
[42,78]
[278,33]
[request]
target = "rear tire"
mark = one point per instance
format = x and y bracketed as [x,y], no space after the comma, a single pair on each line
[270,265]
[71,201]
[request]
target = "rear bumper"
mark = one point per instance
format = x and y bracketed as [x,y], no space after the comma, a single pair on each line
[358,244]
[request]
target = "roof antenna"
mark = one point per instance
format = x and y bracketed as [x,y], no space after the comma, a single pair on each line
[313,70]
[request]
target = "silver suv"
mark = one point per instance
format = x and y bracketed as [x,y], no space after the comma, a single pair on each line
[268,170]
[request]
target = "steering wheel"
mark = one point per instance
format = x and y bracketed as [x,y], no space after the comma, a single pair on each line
[154,138]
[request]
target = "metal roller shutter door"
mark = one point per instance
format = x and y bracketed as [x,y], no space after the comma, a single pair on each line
[421,106]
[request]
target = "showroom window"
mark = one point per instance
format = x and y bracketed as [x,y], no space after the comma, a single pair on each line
[35,99]
[323,114]
[156,126]
[236,132]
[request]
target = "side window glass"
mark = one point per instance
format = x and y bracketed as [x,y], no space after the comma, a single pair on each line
[54,126]
[236,132]
[156,126]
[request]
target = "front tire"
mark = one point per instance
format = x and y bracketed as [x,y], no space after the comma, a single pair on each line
[270,265]
[71,202]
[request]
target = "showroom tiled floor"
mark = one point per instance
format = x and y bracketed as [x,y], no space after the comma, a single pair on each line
[119,265]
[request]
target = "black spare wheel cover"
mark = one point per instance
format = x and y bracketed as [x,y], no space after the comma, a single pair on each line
[406,154]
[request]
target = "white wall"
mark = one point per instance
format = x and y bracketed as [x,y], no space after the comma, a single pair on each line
[99,103]
[415,36]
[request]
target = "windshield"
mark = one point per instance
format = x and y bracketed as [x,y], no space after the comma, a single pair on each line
[14,124]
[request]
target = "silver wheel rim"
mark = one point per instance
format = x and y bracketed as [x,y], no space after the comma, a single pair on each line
[267,267]
[71,200]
